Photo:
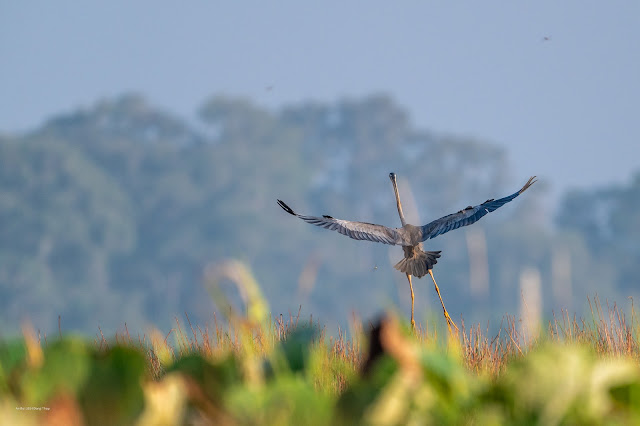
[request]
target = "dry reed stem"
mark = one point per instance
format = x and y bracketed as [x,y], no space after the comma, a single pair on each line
[610,335]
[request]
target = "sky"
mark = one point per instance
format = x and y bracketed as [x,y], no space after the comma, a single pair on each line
[554,82]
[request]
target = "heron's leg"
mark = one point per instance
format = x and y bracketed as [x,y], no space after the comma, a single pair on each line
[446,314]
[413,323]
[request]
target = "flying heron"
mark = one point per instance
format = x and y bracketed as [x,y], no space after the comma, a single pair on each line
[416,262]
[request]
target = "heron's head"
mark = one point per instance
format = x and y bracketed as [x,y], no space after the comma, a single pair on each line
[392,176]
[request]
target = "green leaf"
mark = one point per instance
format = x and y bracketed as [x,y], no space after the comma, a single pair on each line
[215,378]
[12,356]
[65,369]
[296,348]
[113,392]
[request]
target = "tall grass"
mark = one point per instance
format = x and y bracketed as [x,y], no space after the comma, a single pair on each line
[255,368]
[608,332]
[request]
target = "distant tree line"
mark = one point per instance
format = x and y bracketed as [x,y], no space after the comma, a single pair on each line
[109,215]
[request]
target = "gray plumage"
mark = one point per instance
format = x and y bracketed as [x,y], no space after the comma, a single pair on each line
[416,262]
[355,230]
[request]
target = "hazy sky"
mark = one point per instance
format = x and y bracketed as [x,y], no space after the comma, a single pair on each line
[567,108]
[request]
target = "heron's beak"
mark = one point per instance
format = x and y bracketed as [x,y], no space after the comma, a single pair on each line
[394,182]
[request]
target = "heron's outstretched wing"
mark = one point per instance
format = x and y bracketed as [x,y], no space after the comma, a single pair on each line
[469,215]
[355,230]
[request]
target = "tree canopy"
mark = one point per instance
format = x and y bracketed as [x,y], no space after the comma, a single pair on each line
[109,214]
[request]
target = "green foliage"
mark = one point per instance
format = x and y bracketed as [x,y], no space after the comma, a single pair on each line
[112,393]
[416,383]
[284,400]
[296,348]
[564,384]
[213,378]
[66,370]
[12,354]
[104,385]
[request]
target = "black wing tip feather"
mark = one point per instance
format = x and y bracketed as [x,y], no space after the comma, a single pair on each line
[526,186]
[286,208]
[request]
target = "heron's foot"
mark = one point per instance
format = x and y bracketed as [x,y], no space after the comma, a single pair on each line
[413,325]
[450,322]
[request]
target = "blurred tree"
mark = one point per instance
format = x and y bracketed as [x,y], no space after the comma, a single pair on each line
[109,214]
[607,220]
[62,218]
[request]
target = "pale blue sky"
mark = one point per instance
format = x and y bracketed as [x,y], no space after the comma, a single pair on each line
[567,109]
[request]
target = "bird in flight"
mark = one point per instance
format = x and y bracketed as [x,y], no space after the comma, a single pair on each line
[416,261]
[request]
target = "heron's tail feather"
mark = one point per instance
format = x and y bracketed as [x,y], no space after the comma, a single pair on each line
[419,264]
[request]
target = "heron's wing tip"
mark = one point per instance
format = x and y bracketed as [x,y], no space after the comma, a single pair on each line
[530,182]
[286,208]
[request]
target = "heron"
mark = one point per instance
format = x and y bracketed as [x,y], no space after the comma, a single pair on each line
[416,262]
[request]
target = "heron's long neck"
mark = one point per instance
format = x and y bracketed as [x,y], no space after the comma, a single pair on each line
[395,189]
